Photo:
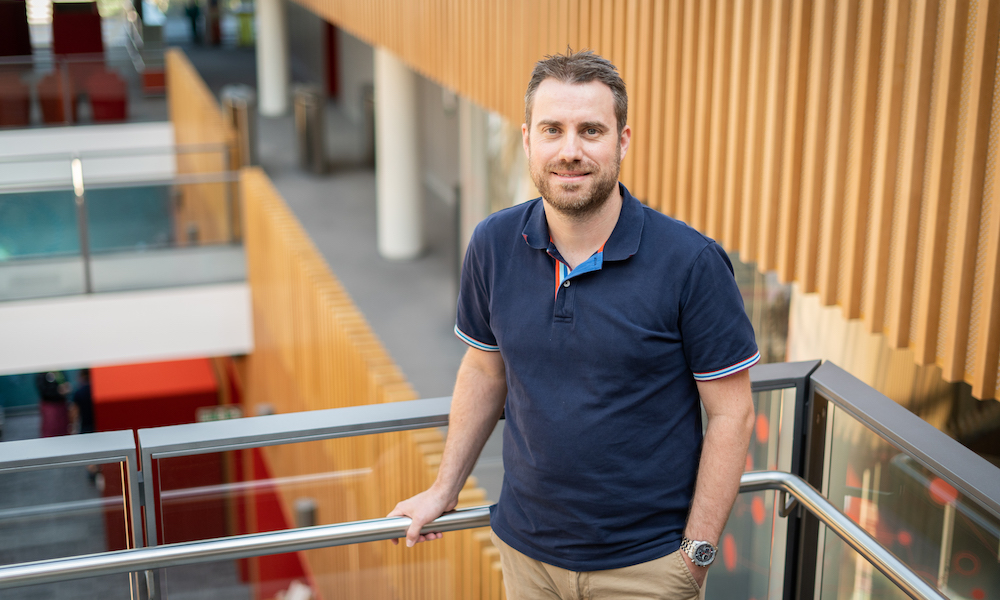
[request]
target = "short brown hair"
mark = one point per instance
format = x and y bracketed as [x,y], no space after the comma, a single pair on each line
[578,67]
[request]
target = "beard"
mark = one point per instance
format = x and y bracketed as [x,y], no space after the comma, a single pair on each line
[576,200]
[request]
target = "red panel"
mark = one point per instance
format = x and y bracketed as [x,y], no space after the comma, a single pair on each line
[153,380]
[185,519]
[155,395]
[154,81]
[276,572]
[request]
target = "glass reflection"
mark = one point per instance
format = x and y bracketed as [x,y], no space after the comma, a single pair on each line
[752,548]
[945,537]
[58,512]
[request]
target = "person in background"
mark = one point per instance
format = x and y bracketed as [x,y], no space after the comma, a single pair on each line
[193,11]
[52,389]
[83,403]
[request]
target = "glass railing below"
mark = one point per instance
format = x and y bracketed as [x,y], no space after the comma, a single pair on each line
[917,520]
[752,550]
[69,89]
[118,237]
[67,497]
[943,535]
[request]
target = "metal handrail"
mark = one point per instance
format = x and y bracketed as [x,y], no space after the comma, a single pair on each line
[116,152]
[106,184]
[308,538]
[853,534]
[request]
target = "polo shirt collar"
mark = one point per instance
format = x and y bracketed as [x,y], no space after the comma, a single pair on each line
[624,240]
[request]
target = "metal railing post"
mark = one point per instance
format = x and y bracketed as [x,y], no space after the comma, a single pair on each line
[81,219]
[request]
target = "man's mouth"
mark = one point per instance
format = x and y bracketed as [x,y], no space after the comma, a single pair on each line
[571,175]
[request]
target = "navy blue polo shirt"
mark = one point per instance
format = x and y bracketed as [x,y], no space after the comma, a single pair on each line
[603,430]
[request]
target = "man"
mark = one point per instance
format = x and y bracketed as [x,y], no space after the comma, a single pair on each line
[598,324]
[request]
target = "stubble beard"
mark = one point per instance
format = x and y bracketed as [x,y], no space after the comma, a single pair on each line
[566,197]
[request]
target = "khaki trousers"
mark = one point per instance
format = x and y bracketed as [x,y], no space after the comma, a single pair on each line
[528,579]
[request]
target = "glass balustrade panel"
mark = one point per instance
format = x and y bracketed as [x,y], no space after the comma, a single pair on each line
[155,236]
[461,566]
[59,512]
[315,483]
[138,237]
[15,92]
[751,561]
[945,537]
[39,245]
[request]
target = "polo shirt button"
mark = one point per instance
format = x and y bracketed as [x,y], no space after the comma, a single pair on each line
[566,284]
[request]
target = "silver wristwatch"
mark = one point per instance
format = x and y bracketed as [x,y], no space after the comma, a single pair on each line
[702,553]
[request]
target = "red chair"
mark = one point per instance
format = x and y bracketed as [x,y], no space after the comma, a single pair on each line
[53,94]
[15,100]
[108,96]
[77,42]
[76,28]
[15,39]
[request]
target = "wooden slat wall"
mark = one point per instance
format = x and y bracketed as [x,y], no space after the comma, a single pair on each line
[313,350]
[846,144]
[202,214]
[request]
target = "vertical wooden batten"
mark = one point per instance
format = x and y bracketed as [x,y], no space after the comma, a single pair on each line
[702,116]
[939,170]
[778,64]
[794,138]
[817,98]
[978,88]
[885,160]
[860,147]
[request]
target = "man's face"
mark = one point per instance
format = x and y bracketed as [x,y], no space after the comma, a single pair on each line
[573,146]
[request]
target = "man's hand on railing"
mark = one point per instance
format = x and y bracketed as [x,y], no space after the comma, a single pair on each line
[422,509]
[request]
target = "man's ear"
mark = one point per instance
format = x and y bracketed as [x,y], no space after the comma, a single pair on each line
[626,138]
[525,141]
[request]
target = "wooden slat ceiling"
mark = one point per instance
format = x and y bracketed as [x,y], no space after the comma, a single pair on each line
[849,145]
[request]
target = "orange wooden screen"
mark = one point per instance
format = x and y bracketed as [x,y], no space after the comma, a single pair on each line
[314,350]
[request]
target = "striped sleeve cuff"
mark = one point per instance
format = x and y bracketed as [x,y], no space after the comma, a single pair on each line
[743,364]
[475,343]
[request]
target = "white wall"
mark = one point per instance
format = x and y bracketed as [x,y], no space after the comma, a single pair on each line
[123,328]
[127,142]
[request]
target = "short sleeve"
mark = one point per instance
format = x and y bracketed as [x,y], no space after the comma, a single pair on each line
[717,336]
[472,324]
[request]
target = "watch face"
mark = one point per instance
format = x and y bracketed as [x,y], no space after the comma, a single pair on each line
[704,554]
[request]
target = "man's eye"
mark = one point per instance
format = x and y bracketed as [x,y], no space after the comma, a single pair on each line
[551,130]
[591,131]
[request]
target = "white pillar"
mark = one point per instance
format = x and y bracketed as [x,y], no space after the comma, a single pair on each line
[397,164]
[272,58]
[473,168]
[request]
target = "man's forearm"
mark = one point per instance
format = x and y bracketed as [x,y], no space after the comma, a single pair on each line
[723,459]
[729,406]
[480,391]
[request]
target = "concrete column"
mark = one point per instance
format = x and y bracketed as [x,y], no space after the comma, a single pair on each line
[473,158]
[272,58]
[397,163]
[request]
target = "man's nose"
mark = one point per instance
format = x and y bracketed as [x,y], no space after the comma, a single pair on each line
[571,149]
